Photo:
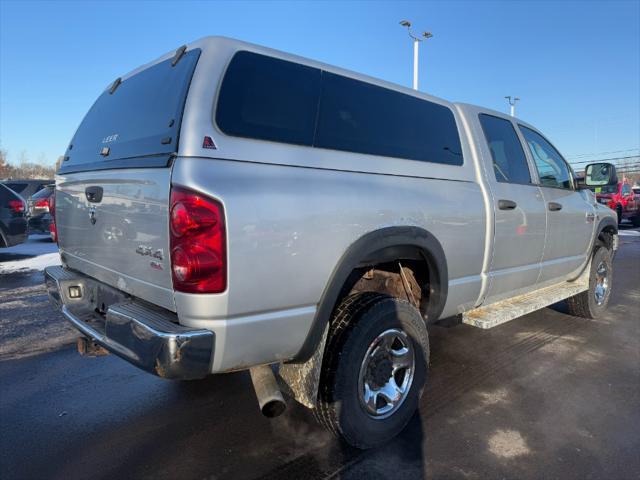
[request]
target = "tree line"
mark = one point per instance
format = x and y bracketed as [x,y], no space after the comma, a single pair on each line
[26,169]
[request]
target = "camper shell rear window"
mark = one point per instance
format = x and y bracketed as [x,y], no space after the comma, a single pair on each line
[137,123]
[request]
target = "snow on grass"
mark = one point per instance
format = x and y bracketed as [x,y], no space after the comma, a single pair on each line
[35,254]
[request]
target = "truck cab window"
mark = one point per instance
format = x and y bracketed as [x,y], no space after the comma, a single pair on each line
[552,169]
[509,160]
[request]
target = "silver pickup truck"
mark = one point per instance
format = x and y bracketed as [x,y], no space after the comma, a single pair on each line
[230,207]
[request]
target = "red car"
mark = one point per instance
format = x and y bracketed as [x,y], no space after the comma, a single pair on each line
[623,200]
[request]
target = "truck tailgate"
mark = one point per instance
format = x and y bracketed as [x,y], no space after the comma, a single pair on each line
[113,225]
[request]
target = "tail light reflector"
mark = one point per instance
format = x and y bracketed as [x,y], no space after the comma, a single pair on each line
[52,211]
[51,203]
[53,231]
[198,242]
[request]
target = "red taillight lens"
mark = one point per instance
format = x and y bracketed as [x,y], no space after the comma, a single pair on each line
[42,203]
[198,243]
[16,205]
[51,203]
[53,231]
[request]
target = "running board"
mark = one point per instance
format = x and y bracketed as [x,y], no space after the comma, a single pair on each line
[512,308]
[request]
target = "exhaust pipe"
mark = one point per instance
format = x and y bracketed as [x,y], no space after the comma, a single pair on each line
[269,395]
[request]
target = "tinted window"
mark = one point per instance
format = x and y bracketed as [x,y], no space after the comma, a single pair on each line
[140,118]
[359,117]
[509,161]
[44,193]
[269,99]
[626,189]
[552,169]
[17,187]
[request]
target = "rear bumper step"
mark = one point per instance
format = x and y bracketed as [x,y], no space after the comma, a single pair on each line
[147,337]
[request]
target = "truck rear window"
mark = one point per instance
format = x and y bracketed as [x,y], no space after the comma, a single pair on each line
[136,125]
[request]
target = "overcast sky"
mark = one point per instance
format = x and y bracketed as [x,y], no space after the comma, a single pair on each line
[575,65]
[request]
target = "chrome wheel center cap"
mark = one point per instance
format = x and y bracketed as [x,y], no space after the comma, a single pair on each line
[386,373]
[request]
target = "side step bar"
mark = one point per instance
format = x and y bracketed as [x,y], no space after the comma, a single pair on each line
[512,308]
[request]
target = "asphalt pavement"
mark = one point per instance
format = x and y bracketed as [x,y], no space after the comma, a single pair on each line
[544,396]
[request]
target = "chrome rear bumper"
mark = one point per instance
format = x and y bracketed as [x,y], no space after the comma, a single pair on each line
[146,336]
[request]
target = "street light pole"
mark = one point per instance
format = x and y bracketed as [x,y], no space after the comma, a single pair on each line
[416,45]
[512,104]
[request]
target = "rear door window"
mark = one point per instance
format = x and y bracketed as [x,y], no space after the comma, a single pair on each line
[17,187]
[509,161]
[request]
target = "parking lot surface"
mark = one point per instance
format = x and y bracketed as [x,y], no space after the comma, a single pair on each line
[544,396]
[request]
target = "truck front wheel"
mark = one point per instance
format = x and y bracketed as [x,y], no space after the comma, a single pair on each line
[593,302]
[374,369]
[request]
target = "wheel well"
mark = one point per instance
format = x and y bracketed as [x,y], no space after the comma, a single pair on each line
[375,259]
[606,236]
[404,278]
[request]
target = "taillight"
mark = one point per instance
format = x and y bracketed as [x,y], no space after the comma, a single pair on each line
[16,205]
[198,243]
[52,211]
[51,203]
[42,203]
[53,231]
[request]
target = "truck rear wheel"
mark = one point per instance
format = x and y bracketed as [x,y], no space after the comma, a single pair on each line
[593,302]
[374,369]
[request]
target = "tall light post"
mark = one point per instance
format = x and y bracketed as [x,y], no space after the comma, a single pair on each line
[512,104]
[416,43]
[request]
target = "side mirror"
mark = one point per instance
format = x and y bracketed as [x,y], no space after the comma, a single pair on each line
[600,174]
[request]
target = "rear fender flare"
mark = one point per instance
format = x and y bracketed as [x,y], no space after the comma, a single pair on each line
[383,245]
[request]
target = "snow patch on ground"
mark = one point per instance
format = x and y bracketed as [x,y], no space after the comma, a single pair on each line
[38,252]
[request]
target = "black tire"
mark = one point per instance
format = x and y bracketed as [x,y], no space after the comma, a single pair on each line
[584,304]
[355,325]
[636,221]
[619,213]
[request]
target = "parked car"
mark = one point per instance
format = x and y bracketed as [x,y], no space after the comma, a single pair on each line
[310,228]
[40,219]
[26,188]
[622,199]
[13,221]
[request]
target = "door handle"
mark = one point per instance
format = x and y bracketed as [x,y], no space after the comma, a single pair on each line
[507,204]
[94,194]
[554,207]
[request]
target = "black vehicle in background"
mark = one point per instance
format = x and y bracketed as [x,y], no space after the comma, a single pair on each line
[26,188]
[39,205]
[13,218]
